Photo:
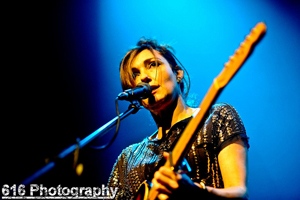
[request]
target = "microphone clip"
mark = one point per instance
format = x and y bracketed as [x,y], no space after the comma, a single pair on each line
[141,91]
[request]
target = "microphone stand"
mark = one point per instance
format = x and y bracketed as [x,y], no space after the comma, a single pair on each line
[132,109]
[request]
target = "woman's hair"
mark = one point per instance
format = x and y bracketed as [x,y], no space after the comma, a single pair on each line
[126,74]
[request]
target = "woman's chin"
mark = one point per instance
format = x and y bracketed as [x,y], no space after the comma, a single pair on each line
[155,105]
[152,104]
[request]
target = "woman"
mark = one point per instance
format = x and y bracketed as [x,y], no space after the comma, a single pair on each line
[218,156]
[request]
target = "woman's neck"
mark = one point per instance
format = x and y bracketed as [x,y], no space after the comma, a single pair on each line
[176,112]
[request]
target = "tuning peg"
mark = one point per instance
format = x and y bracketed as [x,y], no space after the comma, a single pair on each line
[238,51]
[242,45]
[231,58]
[247,37]
[226,65]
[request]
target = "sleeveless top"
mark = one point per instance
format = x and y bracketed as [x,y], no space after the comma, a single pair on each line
[136,163]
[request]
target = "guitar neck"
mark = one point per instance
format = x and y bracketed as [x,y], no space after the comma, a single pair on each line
[184,143]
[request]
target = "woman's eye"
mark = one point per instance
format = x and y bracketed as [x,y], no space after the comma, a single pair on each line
[154,64]
[135,74]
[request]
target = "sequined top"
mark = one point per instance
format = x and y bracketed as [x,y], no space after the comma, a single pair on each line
[136,162]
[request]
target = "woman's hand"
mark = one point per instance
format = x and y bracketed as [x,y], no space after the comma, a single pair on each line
[165,181]
[169,184]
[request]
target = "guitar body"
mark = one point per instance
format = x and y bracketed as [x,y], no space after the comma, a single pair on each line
[230,68]
[143,192]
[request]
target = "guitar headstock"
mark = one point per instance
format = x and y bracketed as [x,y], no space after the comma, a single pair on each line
[240,55]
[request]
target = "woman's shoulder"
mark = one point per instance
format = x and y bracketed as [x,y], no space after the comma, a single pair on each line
[224,112]
[218,107]
[222,124]
[134,147]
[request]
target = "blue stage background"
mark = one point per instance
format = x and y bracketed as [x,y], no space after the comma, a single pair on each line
[63,79]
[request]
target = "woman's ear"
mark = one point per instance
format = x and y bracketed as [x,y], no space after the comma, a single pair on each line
[179,72]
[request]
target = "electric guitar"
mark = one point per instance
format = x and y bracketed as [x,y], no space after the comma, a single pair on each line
[230,68]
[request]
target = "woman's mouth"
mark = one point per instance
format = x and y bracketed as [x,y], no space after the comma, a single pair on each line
[154,88]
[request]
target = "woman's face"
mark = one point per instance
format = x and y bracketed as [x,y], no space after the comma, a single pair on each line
[157,72]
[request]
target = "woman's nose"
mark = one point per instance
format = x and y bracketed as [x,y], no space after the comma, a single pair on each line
[145,78]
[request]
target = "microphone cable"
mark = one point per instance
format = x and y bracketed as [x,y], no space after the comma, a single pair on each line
[142,91]
[102,147]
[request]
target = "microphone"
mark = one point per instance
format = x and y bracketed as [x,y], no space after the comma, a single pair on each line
[141,91]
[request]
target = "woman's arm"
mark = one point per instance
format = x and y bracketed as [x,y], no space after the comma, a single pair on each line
[233,166]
